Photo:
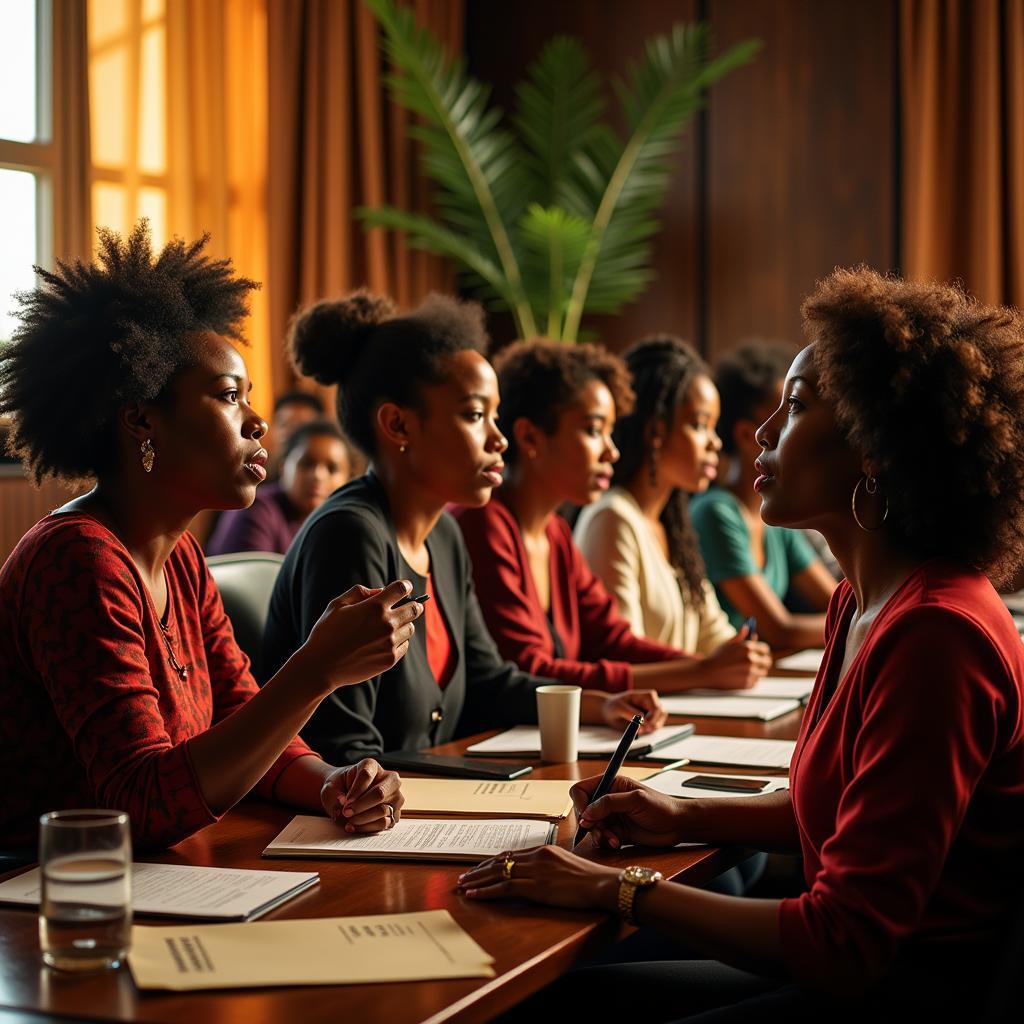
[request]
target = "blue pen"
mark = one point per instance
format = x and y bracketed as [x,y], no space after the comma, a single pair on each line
[751,625]
[612,770]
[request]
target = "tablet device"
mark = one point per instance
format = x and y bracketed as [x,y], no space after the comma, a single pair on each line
[452,767]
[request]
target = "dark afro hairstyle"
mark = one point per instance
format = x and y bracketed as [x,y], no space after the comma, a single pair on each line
[375,356]
[747,377]
[664,368]
[96,337]
[539,379]
[928,388]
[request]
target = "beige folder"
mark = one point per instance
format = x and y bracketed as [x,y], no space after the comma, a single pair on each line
[543,799]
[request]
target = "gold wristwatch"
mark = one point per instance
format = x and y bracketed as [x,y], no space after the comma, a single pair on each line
[632,878]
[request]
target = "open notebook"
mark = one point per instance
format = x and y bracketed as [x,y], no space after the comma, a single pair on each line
[595,741]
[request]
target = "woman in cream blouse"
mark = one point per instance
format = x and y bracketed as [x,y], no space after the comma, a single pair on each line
[638,537]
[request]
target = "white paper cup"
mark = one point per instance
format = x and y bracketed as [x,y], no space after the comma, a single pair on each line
[558,712]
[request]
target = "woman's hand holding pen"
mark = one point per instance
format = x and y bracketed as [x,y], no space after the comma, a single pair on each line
[738,663]
[616,709]
[630,813]
[361,633]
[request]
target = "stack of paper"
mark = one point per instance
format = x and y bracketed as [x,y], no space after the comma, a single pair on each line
[779,687]
[467,798]
[594,741]
[728,706]
[802,661]
[327,951]
[411,839]
[180,890]
[729,750]
[682,784]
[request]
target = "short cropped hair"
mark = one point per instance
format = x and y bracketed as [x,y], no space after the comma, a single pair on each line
[539,379]
[928,387]
[96,337]
[375,356]
[299,397]
[747,377]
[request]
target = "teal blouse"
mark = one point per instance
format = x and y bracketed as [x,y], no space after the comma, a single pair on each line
[725,545]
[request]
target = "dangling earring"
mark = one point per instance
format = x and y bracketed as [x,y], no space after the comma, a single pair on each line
[871,487]
[652,462]
[148,455]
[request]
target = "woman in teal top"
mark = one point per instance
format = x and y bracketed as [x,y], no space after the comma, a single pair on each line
[752,565]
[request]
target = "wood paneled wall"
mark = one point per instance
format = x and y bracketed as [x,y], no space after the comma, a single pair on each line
[790,171]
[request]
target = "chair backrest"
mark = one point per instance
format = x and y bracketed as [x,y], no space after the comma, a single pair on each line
[1007,993]
[246,580]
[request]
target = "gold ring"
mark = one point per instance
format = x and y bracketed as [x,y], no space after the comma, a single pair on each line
[506,868]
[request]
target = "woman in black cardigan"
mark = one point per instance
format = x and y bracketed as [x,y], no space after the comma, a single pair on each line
[417,396]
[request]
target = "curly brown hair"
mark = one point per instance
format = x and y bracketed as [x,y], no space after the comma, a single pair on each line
[538,379]
[928,387]
[102,335]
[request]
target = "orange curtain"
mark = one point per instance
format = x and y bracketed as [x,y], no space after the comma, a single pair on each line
[962,95]
[338,143]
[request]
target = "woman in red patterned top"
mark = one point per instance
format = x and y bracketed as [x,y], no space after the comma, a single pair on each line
[123,686]
[900,436]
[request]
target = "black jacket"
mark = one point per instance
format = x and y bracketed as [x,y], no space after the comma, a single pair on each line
[350,539]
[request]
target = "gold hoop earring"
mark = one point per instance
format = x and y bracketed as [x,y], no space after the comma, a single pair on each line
[871,487]
[148,455]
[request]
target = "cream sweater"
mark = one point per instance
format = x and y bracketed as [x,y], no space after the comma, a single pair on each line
[621,548]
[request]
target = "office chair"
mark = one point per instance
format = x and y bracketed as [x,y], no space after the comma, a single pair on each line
[246,581]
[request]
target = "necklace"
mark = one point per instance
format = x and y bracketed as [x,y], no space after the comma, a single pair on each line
[175,664]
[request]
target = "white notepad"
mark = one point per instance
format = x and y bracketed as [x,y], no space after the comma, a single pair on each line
[770,686]
[730,751]
[764,709]
[432,839]
[802,661]
[594,741]
[182,890]
[675,783]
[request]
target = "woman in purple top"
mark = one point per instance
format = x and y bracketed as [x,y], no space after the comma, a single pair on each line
[316,461]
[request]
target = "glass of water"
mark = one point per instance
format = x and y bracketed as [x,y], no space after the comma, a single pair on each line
[85,916]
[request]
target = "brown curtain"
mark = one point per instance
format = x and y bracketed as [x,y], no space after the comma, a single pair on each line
[338,142]
[962,82]
[217,153]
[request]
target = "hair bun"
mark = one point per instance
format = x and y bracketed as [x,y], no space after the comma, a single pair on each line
[326,339]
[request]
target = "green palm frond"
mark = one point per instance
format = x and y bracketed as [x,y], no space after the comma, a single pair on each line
[664,93]
[559,106]
[553,243]
[476,163]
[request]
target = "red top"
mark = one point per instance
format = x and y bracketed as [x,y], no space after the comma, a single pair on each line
[598,645]
[908,787]
[92,711]
[441,655]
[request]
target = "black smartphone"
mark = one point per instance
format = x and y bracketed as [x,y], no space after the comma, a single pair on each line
[720,782]
[453,767]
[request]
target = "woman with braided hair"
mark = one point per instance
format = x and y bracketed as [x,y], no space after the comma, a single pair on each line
[123,686]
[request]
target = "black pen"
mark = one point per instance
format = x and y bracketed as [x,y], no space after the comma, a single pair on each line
[612,770]
[408,600]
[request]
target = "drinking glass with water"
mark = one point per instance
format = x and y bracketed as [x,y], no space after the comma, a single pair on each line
[85,915]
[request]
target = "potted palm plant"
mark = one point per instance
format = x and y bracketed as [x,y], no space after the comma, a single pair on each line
[549,214]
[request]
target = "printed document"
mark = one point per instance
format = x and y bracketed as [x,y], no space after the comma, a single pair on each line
[675,783]
[729,750]
[765,709]
[802,661]
[181,890]
[437,839]
[325,951]
[468,798]
[796,688]
[594,741]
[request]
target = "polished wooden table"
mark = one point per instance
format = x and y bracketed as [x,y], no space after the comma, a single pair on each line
[531,945]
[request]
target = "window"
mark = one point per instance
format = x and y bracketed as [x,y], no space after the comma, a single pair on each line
[27,158]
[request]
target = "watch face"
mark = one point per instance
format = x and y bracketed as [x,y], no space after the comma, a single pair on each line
[641,875]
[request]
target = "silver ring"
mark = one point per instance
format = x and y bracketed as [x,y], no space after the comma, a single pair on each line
[391,815]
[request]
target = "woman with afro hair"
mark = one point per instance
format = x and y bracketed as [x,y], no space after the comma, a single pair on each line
[123,686]
[547,610]
[420,401]
[900,436]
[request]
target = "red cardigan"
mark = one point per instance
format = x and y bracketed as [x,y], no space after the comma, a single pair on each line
[598,644]
[92,712]
[908,787]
